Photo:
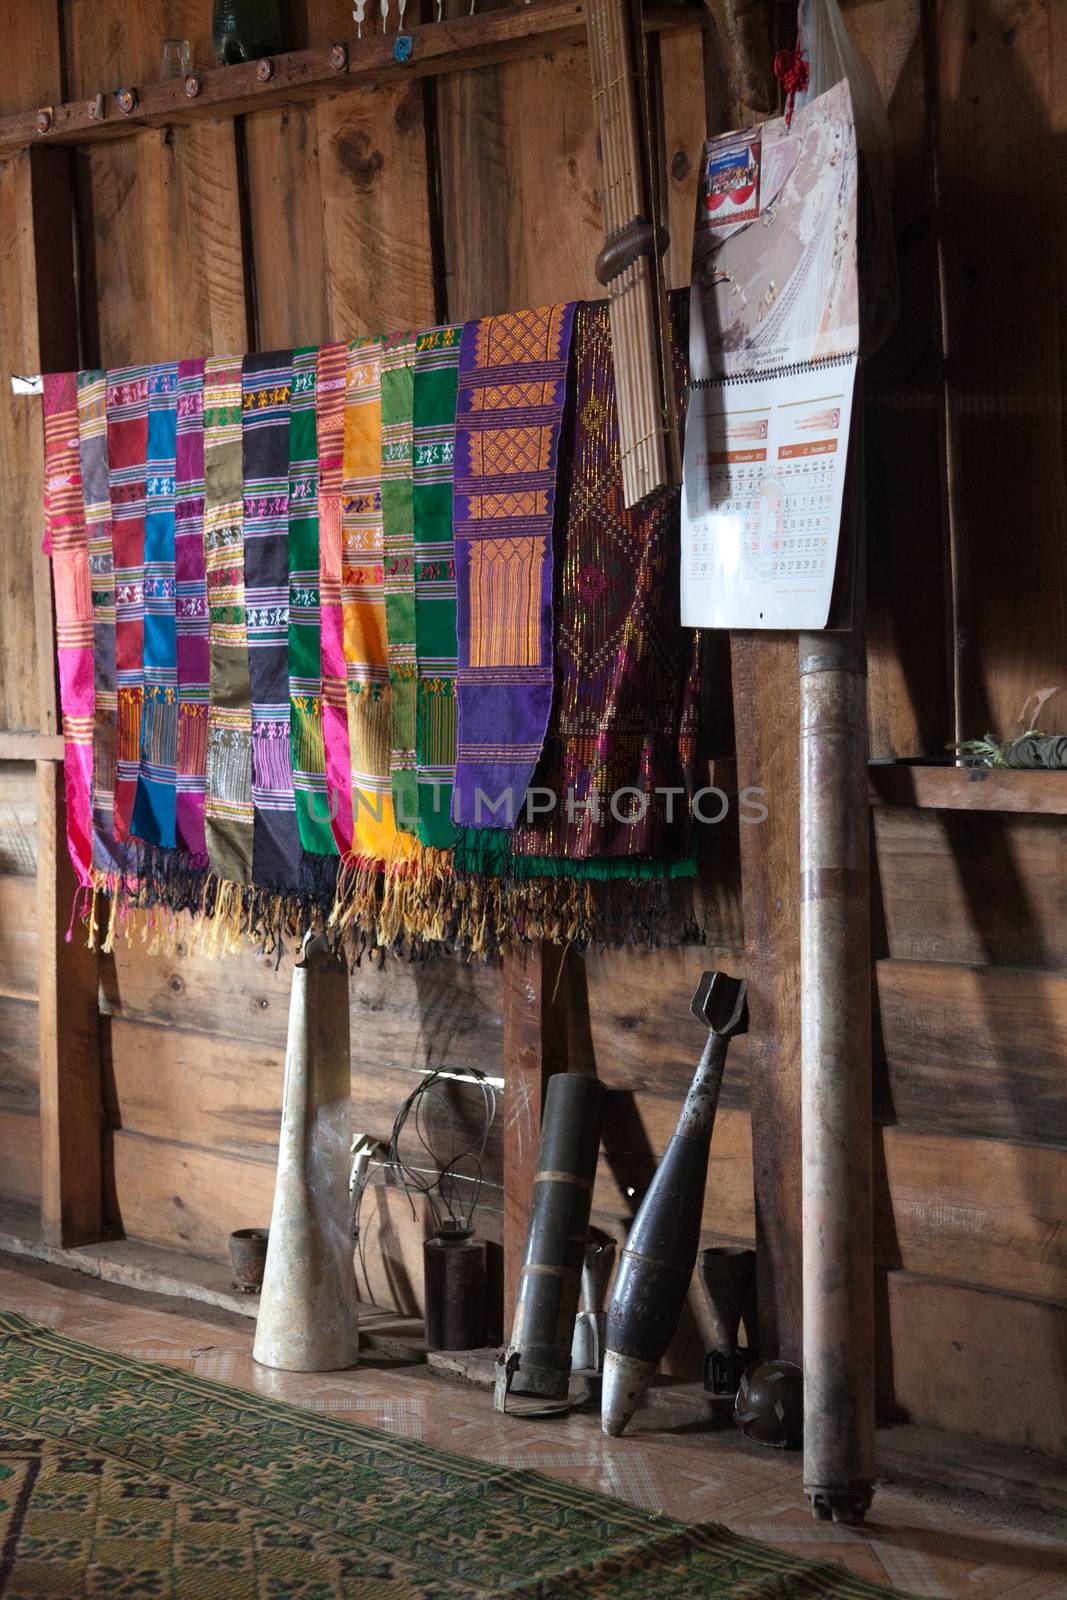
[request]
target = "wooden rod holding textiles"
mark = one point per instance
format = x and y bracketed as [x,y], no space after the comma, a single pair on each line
[436,47]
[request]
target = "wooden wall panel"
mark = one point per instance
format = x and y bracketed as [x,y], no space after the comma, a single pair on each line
[292,304]
[1000,111]
[375,207]
[162,255]
[518,178]
[18,818]
[21,456]
[909,685]
[970,887]
[18,938]
[971,1050]
[110,44]
[18,1057]
[434,1014]
[176,1195]
[945,1350]
[20,1169]
[226,1094]
[32,67]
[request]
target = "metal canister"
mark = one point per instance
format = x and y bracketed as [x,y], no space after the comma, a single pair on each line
[539,1357]
[454,1268]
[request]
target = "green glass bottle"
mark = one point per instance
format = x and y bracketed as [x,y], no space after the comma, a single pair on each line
[244,30]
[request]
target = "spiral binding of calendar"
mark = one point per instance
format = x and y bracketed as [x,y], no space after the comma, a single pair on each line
[794,369]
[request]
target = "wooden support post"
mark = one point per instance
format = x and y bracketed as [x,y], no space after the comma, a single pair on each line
[68,1032]
[767,712]
[534,1010]
[67,1017]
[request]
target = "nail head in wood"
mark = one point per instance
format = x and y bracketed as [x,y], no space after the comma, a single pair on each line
[264,69]
[338,57]
[126,100]
[193,85]
[44,120]
[95,108]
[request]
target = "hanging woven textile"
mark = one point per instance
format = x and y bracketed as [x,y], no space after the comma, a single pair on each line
[620,751]
[153,809]
[67,544]
[266,381]
[434,440]
[305,662]
[190,610]
[330,381]
[398,540]
[127,447]
[363,602]
[228,801]
[108,856]
[512,383]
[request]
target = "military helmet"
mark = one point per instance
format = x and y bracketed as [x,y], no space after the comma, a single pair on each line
[769,1407]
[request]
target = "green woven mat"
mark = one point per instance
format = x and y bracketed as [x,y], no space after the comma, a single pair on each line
[122,1479]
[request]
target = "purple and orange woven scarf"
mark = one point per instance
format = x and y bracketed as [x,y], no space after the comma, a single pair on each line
[512,385]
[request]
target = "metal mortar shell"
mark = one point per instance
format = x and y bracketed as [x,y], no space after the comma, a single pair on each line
[550,1281]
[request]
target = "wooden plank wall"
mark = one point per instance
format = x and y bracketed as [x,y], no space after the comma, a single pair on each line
[475,193]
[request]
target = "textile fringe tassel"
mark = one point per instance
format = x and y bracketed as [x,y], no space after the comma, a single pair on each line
[414,903]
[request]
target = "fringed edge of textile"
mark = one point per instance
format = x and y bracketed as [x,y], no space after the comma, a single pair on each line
[414,904]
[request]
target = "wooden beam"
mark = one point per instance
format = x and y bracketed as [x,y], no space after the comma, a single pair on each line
[534,1007]
[968,788]
[68,1036]
[32,746]
[450,46]
[767,712]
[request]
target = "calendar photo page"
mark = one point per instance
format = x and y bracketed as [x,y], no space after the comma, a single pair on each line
[773,355]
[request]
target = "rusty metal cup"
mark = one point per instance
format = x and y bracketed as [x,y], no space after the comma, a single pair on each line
[248,1254]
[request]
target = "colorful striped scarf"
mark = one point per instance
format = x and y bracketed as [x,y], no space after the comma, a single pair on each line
[305,663]
[266,384]
[330,423]
[190,610]
[228,801]
[512,384]
[67,543]
[153,809]
[374,832]
[621,746]
[108,856]
[434,427]
[398,540]
[127,448]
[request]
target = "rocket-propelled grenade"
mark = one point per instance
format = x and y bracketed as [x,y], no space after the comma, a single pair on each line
[661,1250]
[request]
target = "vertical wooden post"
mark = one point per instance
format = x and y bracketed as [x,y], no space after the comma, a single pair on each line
[67,1018]
[68,1026]
[767,714]
[534,1012]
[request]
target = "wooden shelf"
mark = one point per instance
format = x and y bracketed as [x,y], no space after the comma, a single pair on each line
[437,47]
[968,788]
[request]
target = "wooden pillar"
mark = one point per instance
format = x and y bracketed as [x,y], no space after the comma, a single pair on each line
[68,1026]
[535,1046]
[767,713]
[67,1017]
